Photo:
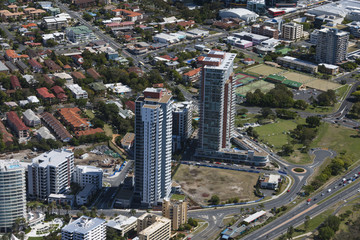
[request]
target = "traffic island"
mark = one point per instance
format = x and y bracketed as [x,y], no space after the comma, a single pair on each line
[299,170]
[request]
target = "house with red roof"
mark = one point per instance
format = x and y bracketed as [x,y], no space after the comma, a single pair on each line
[18,126]
[60,93]
[12,56]
[192,76]
[186,24]
[78,75]
[48,80]
[130,105]
[15,83]
[93,73]
[35,65]
[127,14]
[167,57]
[45,95]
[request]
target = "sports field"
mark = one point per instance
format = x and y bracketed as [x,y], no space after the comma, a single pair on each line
[323,85]
[264,70]
[251,87]
[298,77]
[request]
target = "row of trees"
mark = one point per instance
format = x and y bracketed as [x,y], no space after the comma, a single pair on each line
[278,97]
[336,167]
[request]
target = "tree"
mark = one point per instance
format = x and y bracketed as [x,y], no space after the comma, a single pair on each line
[67,208]
[251,132]
[327,98]
[132,212]
[242,111]
[287,149]
[192,222]
[87,17]
[214,200]
[325,233]
[266,112]
[333,222]
[290,232]
[313,121]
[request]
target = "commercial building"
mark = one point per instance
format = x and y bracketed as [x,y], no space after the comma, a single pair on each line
[297,64]
[85,228]
[292,31]
[12,194]
[77,91]
[354,28]
[257,6]
[176,211]
[241,13]
[345,8]
[80,34]
[165,38]
[123,224]
[88,175]
[269,181]
[238,42]
[152,152]
[265,31]
[328,68]
[31,119]
[127,141]
[153,227]
[217,104]
[182,124]
[20,129]
[281,3]
[331,46]
[49,173]
[252,37]
[61,199]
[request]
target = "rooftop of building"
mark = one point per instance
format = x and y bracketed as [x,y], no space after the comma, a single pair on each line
[53,158]
[121,221]
[89,169]
[10,165]
[83,225]
[14,119]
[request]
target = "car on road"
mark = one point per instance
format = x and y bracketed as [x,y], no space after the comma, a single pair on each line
[329,190]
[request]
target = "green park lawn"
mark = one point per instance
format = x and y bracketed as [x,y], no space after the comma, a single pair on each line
[276,134]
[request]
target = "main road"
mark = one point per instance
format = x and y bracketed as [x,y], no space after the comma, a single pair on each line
[296,216]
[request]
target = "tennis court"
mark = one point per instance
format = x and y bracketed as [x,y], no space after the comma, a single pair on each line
[264,70]
[243,79]
[251,87]
[323,85]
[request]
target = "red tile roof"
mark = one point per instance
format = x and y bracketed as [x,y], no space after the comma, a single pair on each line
[44,93]
[15,83]
[48,80]
[94,74]
[12,54]
[72,117]
[192,72]
[56,126]
[34,63]
[16,121]
[78,75]
[130,105]
[88,132]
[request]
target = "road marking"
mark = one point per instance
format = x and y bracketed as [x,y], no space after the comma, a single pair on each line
[296,216]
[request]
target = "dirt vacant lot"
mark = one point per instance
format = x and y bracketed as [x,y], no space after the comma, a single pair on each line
[200,183]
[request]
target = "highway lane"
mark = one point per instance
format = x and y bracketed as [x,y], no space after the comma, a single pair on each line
[280,225]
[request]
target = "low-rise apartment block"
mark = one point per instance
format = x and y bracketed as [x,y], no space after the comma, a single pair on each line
[31,119]
[292,31]
[176,211]
[153,227]
[265,31]
[297,64]
[123,224]
[19,128]
[77,91]
[80,34]
[88,175]
[85,228]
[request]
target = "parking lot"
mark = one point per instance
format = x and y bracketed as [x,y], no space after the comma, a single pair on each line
[305,94]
